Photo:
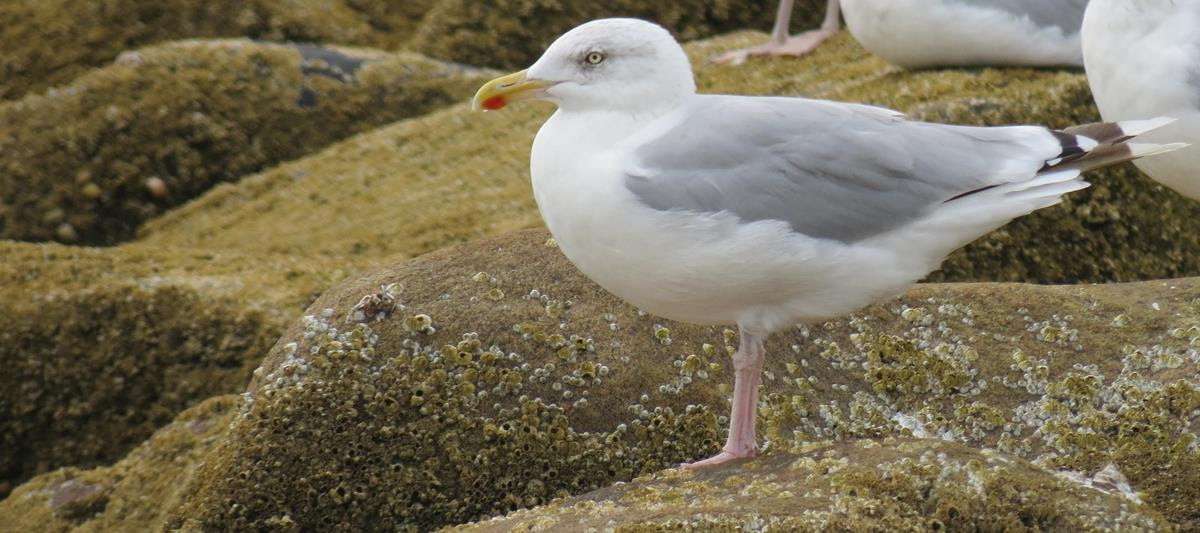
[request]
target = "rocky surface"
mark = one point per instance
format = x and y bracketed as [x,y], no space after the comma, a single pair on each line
[47,44]
[88,162]
[130,495]
[893,485]
[513,33]
[493,376]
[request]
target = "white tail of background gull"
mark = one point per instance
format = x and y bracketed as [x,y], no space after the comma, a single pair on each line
[765,212]
[1143,60]
[941,33]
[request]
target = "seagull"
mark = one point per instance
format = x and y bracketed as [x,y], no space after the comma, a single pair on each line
[765,212]
[1143,59]
[942,33]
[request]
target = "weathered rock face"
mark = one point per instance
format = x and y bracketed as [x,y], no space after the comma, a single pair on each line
[90,374]
[457,175]
[513,33]
[493,376]
[48,43]
[104,345]
[90,161]
[132,494]
[867,485]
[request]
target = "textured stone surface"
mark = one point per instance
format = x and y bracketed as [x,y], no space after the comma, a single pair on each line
[48,43]
[513,33]
[492,376]
[88,162]
[896,485]
[132,494]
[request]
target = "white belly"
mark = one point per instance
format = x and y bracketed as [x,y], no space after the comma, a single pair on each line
[928,33]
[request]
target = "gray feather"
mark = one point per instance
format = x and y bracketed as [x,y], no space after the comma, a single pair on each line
[1065,14]
[830,170]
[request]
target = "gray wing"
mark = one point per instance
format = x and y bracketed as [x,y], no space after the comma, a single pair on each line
[830,170]
[1065,14]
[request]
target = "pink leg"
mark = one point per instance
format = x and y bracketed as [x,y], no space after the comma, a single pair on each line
[748,366]
[780,44]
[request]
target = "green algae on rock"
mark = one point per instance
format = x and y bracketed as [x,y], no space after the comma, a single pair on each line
[48,43]
[513,33]
[458,175]
[863,485]
[90,374]
[493,376]
[104,345]
[90,161]
[130,495]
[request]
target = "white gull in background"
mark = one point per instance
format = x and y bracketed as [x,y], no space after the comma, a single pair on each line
[942,33]
[1143,60]
[765,212]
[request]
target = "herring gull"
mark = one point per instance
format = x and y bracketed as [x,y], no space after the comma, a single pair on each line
[765,212]
[1143,60]
[942,33]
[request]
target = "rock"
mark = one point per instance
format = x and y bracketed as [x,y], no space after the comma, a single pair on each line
[493,376]
[101,346]
[454,175]
[48,44]
[513,33]
[864,485]
[162,125]
[130,495]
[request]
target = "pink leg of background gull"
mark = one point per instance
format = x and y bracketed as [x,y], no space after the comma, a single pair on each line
[781,44]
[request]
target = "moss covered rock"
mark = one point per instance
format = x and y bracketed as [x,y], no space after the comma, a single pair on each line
[456,175]
[130,495]
[92,373]
[893,485]
[48,43]
[90,161]
[104,345]
[493,376]
[513,33]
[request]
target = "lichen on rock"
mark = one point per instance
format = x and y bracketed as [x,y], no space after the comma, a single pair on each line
[88,162]
[863,485]
[47,44]
[458,406]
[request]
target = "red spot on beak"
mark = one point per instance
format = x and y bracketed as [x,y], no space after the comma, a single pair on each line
[494,103]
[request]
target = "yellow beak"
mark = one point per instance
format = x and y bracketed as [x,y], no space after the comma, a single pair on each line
[501,91]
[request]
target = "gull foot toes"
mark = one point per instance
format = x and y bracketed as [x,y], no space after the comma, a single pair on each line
[718,459]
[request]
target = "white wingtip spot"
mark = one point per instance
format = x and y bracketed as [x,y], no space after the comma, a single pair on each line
[1086,143]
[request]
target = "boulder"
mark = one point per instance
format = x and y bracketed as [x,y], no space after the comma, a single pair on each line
[862,485]
[493,376]
[88,162]
[513,33]
[130,495]
[47,44]
[104,345]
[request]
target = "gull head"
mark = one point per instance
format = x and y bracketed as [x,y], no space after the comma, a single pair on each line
[617,64]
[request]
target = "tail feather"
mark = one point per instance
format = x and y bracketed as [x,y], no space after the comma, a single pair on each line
[1091,146]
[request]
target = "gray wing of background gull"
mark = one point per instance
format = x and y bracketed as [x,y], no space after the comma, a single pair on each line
[1065,14]
[830,170]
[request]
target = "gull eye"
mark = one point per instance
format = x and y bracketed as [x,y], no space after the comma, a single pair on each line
[594,58]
